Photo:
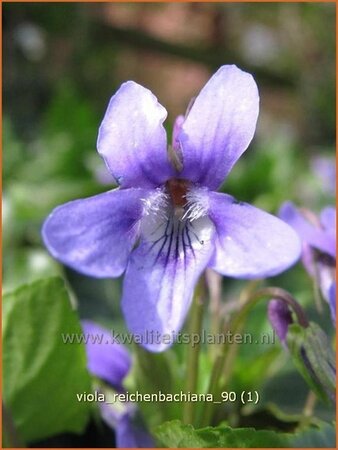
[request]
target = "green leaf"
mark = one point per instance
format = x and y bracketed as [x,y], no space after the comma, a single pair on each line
[41,374]
[176,435]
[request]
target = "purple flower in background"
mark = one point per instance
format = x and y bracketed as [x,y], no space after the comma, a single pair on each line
[109,360]
[165,223]
[324,168]
[129,431]
[318,235]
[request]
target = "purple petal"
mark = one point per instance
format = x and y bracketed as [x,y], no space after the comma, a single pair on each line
[309,259]
[106,357]
[251,243]
[280,318]
[132,139]
[219,126]
[309,233]
[324,168]
[328,220]
[95,235]
[129,434]
[332,302]
[176,130]
[160,279]
[325,274]
[129,431]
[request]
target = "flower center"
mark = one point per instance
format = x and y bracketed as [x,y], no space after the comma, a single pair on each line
[175,220]
[178,190]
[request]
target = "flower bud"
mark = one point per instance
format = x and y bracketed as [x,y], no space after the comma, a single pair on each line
[280,318]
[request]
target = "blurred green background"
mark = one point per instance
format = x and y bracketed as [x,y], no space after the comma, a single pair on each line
[62,63]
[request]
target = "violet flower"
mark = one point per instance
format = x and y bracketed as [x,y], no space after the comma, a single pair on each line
[280,317]
[318,235]
[129,431]
[109,360]
[165,223]
[324,168]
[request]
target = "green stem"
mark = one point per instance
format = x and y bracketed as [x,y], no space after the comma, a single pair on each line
[193,352]
[224,362]
[308,409]
[316,289]
[214,282]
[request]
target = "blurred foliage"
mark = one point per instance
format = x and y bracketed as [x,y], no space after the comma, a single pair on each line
[176,435]
[63,61]
[36,359]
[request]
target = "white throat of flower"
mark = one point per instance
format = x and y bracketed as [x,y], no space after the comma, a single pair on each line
[173,229]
